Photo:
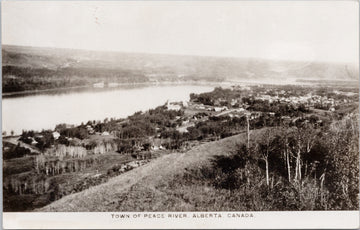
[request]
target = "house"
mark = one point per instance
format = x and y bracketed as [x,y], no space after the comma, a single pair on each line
[173,106]
[218,109]
[156,144]
[155,147]
[183,129]
[105,133]
[233,102]
[286,119]
[255,115]
[56,135]
[34,142]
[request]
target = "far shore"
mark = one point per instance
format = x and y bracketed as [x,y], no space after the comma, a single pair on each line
[285,81]
[62,89]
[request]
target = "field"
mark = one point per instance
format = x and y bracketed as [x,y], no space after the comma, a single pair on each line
[52,187]
[149,188]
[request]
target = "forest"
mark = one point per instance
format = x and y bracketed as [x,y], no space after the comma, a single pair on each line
[17,78]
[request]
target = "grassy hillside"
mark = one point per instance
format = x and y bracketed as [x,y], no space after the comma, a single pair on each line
[152,187]
[226,175]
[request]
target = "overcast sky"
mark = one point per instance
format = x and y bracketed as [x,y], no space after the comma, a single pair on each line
[288,30]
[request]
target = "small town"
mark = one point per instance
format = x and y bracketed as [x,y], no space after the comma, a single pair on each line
[180,114]
[91,149]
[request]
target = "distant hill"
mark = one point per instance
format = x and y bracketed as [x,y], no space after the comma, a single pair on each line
[52,68]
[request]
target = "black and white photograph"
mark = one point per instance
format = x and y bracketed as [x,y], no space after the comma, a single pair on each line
[190,114]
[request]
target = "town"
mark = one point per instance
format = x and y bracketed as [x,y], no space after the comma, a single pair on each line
[41,167]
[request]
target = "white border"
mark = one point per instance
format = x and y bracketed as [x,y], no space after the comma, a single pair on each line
[136,220]
[104,220]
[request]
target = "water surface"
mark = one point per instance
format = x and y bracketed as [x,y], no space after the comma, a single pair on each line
[44,111]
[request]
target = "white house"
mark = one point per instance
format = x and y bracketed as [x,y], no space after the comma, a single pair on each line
[56,135]
[34,142]
[105,133]
[173,106]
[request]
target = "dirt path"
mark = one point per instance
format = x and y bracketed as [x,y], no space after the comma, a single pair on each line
[15,140]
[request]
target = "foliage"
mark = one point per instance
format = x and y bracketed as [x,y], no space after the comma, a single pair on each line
[291,169]
[15,151]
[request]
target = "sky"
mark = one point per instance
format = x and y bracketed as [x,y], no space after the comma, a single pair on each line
[325,31]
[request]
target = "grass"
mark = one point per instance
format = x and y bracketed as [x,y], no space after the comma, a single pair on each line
[155,186]
[18,165]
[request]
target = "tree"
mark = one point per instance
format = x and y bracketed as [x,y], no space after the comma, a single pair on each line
[342,168]
[305,139]
[266,147]
[287,150]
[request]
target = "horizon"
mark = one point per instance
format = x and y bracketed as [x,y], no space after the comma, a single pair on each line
[326,31]
[356,64]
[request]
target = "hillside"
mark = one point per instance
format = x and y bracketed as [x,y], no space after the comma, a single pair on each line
[34,68]
[151,187]
[282,167]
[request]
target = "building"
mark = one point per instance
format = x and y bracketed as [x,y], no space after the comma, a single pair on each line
[105,133]
[56,135]
[173,106]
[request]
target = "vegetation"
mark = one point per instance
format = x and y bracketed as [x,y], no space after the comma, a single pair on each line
[297,169]
[15,151]
[17,79]
[274,149]
[30,68]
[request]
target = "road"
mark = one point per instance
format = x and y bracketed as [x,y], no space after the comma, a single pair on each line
[15,140]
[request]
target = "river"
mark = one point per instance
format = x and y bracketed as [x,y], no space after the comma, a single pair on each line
[44,111]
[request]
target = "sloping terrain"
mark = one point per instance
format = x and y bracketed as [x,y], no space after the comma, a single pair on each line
[163,67]
[151,187]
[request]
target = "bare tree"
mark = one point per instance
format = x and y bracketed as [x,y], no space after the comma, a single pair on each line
[287,153]
[305,140]
[266,147]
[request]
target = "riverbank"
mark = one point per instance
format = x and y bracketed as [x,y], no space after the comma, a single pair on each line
[48,109]
[39,91]
[104,88]
[185,133]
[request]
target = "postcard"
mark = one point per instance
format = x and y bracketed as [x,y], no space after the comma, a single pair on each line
[180,114]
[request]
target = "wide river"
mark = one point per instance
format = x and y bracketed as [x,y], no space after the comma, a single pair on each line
[44,111]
